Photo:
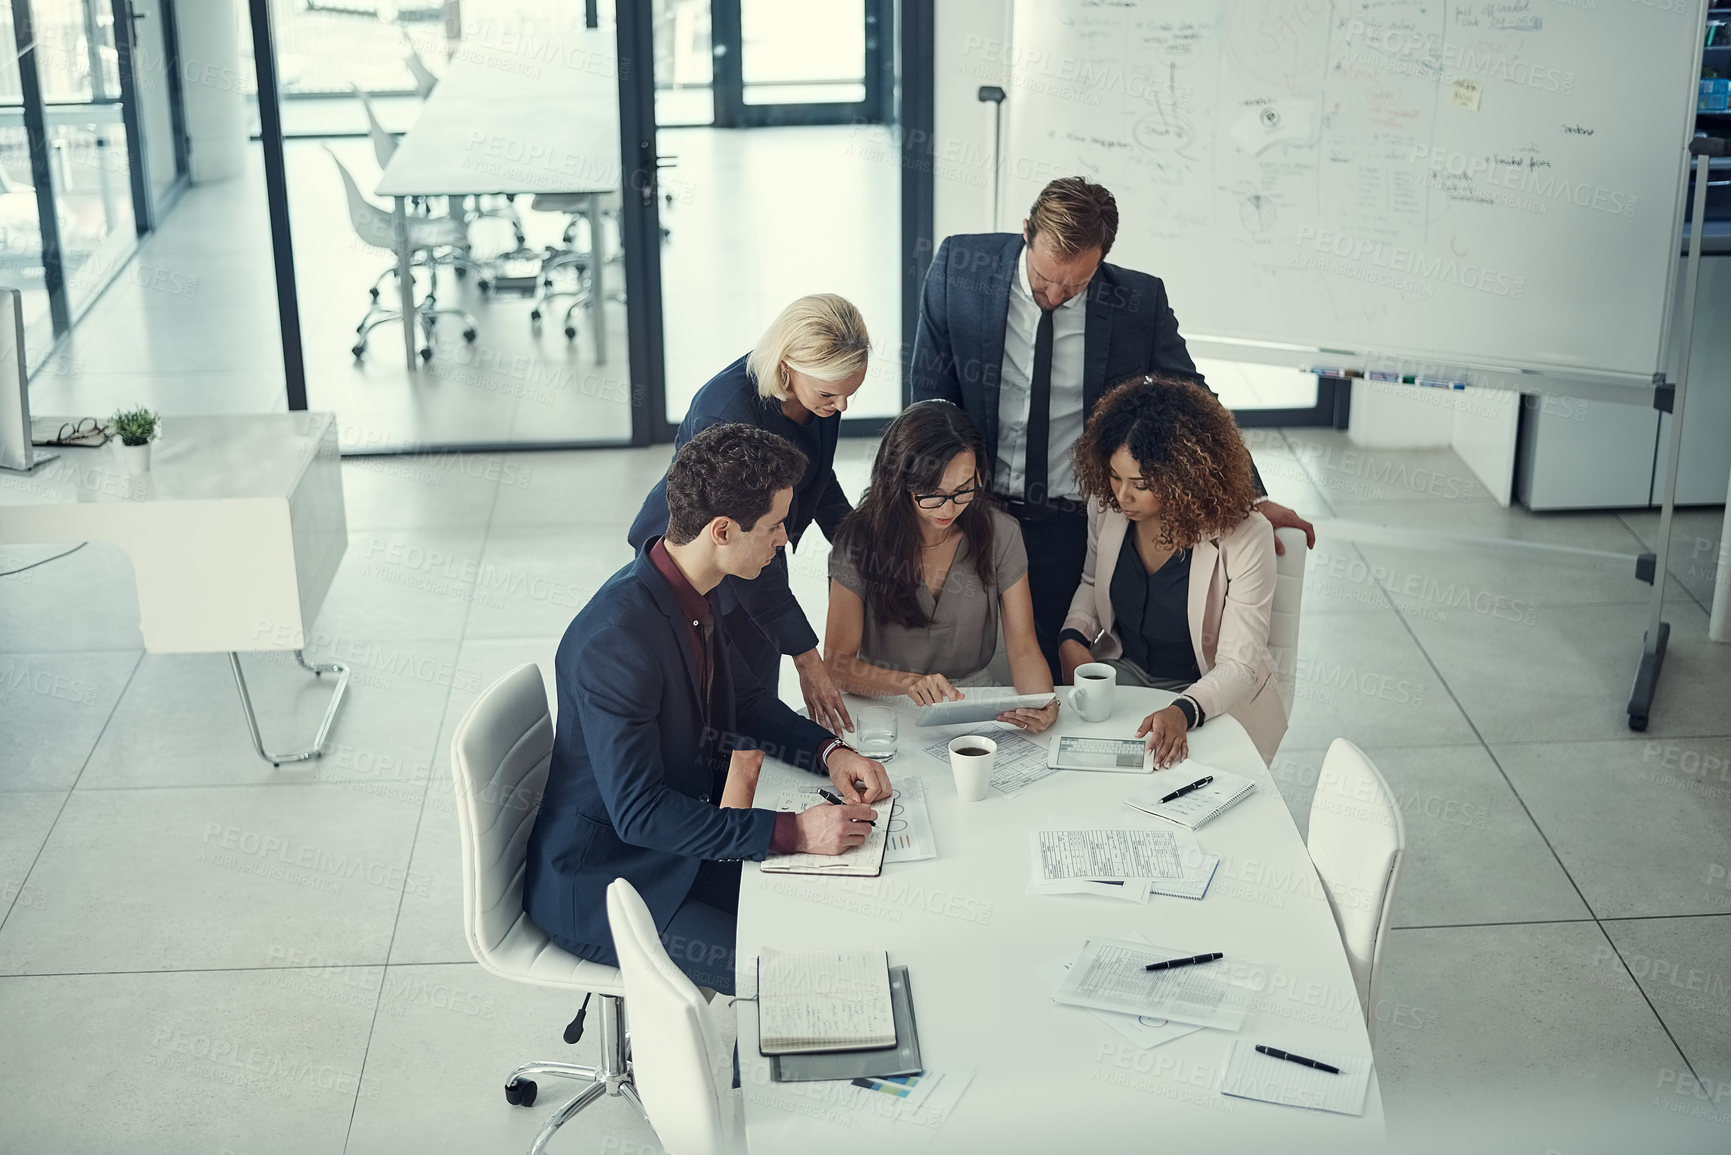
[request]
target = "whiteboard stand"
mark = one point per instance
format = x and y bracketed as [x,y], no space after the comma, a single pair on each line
[994,95]
[1670,399]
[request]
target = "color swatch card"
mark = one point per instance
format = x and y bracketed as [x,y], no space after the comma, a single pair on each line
[1249,1074]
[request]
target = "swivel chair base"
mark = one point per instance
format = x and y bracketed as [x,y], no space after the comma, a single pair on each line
[612,1077]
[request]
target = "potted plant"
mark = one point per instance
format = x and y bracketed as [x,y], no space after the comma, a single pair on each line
[136,428]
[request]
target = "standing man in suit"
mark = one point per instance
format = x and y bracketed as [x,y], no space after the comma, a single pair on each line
[651,708]
[1025,333]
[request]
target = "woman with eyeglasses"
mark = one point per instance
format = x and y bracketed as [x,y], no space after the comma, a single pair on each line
[928,578]
[795,383]
[1178,585]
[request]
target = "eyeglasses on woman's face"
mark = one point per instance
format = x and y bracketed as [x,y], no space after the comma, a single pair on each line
[938,500]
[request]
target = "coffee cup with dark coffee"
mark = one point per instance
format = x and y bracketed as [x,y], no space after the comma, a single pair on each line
[971,758]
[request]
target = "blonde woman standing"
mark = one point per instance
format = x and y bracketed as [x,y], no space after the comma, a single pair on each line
[796,383]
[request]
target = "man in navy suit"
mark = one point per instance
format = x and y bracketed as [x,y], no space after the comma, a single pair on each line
[1026,333]
[651,710]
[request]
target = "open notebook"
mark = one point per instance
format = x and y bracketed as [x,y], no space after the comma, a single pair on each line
[823,1000]
[1197,807]
[864,861]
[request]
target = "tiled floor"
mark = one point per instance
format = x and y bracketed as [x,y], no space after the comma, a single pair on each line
[169,961]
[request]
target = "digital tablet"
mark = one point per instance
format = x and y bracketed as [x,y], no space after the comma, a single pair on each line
[980,708]
[1113,755]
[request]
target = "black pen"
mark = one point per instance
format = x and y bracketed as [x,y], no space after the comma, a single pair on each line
[1277,1053]
[1182,962]
[835,800]
[1183,790]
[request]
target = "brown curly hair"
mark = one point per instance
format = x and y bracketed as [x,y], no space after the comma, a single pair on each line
[1189,448]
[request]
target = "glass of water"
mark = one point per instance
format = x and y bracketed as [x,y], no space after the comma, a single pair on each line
[874,732]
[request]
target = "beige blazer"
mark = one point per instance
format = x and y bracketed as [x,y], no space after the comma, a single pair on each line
[1231,593]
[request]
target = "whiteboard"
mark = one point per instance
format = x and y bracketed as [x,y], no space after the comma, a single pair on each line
[1412,182]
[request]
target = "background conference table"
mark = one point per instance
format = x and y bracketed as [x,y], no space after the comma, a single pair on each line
[971,935]
[533,119]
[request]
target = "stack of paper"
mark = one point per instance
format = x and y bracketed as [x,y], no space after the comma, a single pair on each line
[1249,1074]
[1122,862]
[909,829]
[1142,1030]
[1019,763]
[876,1113]
[1109,976]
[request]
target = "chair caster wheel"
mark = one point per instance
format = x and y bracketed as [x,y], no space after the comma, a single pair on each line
[460,271]
[534,314]
[426,353]
[375,293]
[469,336]
[520,1092]
[1637,721]
[359,351]
[484,285]
[570,333]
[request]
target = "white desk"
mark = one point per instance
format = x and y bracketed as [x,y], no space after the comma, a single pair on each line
[527,122]
[1052,1078]
[235,533]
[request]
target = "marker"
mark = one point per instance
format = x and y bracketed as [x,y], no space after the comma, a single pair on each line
[835,800]
[1183,962]
[1440,383]
[1183,790]
[1322,371]
[1276,1053]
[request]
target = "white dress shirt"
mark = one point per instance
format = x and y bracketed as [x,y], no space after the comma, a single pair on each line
[1065,417]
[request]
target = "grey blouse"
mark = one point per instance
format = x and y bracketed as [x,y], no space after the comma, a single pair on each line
[963,636]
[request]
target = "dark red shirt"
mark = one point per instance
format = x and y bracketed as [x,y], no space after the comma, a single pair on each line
[698,614]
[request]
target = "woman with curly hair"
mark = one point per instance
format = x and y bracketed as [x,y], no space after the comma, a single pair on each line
[1179,578]
[928,578]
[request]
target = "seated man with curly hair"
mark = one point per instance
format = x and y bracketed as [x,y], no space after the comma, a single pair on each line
[1179,577]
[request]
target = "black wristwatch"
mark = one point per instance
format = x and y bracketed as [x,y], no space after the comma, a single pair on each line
[1073,635]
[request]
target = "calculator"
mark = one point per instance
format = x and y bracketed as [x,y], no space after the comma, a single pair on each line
[1115,755]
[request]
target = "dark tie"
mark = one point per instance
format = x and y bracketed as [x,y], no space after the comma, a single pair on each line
[1039,405]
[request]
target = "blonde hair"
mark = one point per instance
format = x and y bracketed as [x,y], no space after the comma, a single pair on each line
[821,336]
[1077,214]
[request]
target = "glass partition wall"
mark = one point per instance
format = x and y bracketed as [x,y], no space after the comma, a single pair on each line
[486,163]
[77,81]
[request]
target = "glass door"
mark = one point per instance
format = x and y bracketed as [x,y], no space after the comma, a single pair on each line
[801,62]
[90,156]
[503,163]
[758,210]
[21,249]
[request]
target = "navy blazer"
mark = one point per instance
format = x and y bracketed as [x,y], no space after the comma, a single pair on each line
[731,396]
[959,345]
[633,791]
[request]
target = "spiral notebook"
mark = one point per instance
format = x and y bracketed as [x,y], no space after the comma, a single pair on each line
[823,1000]
[863,861]
[1197,807]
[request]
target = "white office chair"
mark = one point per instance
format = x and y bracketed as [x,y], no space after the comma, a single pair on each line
[1358,848]
[499,759]
[1283,618]
[432,236]
[669,1047]
[425,81]
[570,255]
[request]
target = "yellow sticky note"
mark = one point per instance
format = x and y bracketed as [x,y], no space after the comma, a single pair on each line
[1467,93]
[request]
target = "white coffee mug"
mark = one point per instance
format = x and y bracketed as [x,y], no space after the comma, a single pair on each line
[971,758]
[1096,688]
